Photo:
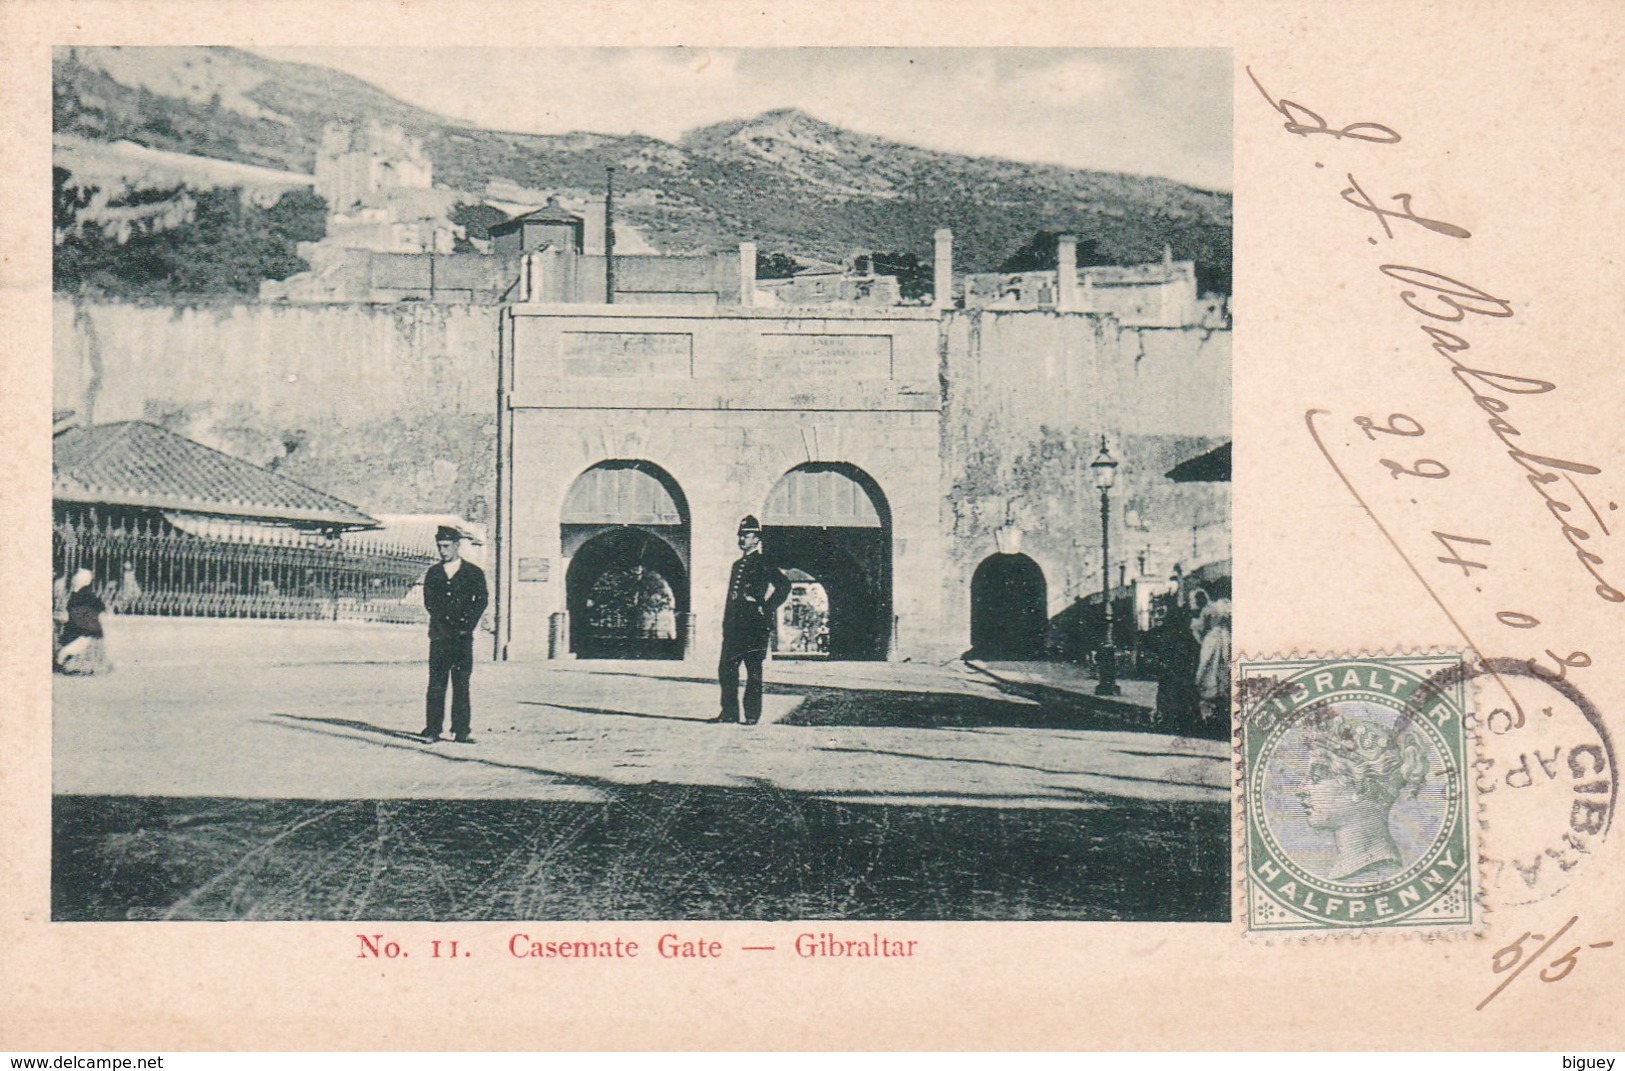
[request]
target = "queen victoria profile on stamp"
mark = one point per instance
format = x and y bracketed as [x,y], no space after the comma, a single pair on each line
[1355,796]
[1358,770]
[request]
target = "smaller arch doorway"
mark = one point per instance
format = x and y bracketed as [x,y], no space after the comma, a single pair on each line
[1009,614]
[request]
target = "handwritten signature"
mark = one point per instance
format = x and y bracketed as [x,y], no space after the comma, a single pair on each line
[1443,303]
[1303,122]
[1451,301]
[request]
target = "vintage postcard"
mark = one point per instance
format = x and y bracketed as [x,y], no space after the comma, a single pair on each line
[918,526]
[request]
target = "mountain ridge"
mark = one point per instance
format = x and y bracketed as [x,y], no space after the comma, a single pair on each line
[786,179]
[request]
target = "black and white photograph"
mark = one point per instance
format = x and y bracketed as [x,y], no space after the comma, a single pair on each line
[589,484]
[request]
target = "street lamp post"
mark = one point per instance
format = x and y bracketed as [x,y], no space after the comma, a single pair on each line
[1104,467]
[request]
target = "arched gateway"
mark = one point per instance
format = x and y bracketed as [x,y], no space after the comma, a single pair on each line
[1008,609]
[830,524]
[625,530]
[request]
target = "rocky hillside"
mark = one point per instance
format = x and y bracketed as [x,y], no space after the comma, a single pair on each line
[784,179]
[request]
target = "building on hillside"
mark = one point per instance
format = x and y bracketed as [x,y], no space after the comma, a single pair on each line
[379,186]
[359,262]
[170,526]
[550,225]
[516,200]
[831,284]
[360,165]
[382,206]
[1162,294]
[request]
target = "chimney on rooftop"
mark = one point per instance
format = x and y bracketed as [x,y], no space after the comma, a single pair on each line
[1066,271]
[943,266]
[592,230]
[533,276]
[747,274]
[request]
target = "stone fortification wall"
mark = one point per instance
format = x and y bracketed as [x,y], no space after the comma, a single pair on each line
[1028,396]
[389,407]
[393,408]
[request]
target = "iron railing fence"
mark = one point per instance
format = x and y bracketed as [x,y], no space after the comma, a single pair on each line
[148,566]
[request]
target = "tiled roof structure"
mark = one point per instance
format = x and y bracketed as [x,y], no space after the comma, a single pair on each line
[139,464]
[552,213]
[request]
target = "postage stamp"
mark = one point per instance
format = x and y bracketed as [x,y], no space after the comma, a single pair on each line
[1356,790]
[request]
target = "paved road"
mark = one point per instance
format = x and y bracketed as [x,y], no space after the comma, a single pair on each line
[598,791]
[567,731]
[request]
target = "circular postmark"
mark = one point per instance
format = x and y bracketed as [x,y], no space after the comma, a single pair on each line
[1545,774]
[1356,808]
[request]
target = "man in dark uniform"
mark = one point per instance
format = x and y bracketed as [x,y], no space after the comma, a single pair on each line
[756,590]
[454,593]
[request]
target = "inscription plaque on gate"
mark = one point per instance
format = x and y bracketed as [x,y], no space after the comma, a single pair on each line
[593,354]
[826,356]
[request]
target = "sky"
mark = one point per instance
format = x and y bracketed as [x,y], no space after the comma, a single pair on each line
[1144,111]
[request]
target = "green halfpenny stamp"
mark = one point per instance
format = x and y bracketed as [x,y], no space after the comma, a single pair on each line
[1356,794]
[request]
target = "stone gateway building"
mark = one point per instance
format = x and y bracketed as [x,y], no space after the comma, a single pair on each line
[636,437]
[927,467]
